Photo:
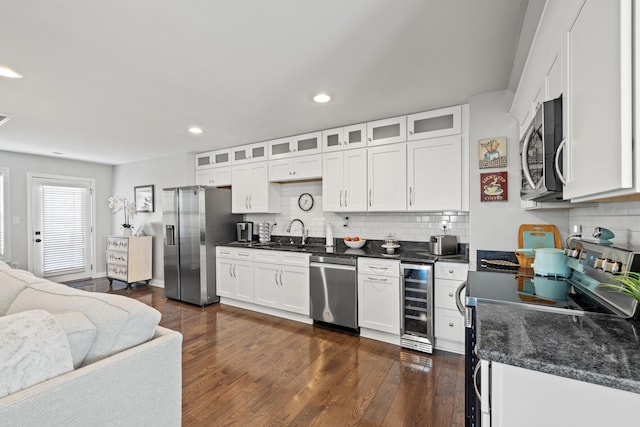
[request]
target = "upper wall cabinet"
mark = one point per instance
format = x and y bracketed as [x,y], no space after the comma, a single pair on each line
[434,174]
[387,178]
[344,138]
[387,131]
[296,168]
[214,177]
[432,124]
[600,155]
[249,153]
[212,159]
[298,145]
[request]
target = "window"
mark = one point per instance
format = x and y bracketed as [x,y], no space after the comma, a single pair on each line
[4,212]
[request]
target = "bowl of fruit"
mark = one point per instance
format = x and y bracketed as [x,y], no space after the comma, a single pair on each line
[354,242]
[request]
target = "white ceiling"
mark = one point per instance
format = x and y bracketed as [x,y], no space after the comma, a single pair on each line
[121,80]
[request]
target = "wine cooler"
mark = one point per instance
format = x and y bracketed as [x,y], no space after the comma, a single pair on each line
[417,307]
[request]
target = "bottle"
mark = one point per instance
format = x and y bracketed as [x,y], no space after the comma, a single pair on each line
[329,234]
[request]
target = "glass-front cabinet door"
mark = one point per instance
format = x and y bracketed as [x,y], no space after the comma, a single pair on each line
[298,145]
[431,124]
[212,159]
[387,131]
[249,153]
[344,138]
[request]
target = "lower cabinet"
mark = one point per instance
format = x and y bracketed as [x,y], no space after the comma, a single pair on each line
[234,273]
[129,258]
[379,295]
[267,278]
[448,322]
[506,400]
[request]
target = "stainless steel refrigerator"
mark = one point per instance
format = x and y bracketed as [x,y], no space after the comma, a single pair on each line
[195,219]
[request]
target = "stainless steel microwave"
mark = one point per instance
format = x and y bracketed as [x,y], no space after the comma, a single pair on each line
[541,154]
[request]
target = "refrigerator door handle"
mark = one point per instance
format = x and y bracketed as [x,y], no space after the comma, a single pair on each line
[170,231]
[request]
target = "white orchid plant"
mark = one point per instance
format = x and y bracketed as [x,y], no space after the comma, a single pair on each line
[119,203]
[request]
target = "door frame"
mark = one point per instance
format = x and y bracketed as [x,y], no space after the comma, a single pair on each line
[92,217]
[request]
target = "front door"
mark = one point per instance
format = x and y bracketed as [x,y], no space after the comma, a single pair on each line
[61,227]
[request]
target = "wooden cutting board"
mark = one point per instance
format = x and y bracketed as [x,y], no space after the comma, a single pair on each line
[534,236]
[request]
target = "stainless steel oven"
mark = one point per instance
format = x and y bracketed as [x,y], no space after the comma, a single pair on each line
[540,153]
[417,307]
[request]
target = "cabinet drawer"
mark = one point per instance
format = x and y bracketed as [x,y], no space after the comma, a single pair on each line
[117,244]
[117,257]
[281,257]
[449,325]
[117,272]
[378,267]
[234,253]
[452,271]
[445,294]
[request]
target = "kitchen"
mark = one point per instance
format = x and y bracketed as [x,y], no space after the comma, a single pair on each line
[484,225]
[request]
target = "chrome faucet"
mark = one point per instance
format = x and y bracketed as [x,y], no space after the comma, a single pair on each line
[304,232]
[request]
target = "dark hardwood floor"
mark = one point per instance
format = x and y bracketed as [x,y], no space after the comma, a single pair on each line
[250,369]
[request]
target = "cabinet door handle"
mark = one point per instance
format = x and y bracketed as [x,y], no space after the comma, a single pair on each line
[345,198]
[369,197]
[451,324]
[275,276]
[246,202]
[410,132]
[410,193]
[281,277]
[235,270]
[250,207]
[451,294]
[563,143]
[340,198]
[230,270]
[377,279]
[378,268]
[370,139]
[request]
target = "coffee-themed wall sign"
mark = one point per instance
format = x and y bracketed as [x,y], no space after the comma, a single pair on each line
[492,153]
[494,187]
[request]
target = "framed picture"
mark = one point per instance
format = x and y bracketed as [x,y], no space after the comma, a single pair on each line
[492,153]
[494,187]
[144,198]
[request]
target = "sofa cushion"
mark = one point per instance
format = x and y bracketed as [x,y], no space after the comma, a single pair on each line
[34,348]
[12,282]
[121,322]
[4,266]
[80,333]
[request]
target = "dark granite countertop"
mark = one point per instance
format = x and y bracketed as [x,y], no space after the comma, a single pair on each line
[595,348]
[417,252]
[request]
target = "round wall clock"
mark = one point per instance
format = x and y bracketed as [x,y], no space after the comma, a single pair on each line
[305,201]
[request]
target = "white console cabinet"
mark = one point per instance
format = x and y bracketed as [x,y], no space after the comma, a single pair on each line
[129,259]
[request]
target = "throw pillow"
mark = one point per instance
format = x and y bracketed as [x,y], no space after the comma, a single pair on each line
[80,333]
[34,348]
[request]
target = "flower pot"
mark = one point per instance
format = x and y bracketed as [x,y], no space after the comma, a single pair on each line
[127,231]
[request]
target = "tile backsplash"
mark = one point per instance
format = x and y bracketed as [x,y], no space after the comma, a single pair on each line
[414,226]
[623,218]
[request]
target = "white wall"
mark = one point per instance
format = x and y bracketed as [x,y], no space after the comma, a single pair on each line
[163,172]
[494,225]
[19,165]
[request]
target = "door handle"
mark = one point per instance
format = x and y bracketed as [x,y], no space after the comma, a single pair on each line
[345,198]
[369,197]
[340,198]
[38,240]
[459,304]
[281,277]
[410,192]
[556,162]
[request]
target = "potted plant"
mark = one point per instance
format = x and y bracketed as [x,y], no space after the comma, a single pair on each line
[628,283]
[119,203]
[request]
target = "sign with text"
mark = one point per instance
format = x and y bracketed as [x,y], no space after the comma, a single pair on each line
[494,187]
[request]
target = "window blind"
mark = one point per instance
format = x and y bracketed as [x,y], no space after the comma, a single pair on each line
[63,230]
[2,214]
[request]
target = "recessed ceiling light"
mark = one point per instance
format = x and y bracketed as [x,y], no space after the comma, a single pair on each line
[195,130]
[9,73]
[322,98]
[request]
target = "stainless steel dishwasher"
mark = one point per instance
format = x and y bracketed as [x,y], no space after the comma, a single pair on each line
[334,291]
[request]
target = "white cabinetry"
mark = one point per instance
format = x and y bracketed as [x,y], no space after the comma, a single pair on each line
[600,155]
[249,153]
[379,298]
[296,168]
[344,138]
[214,177]
[298,145]
[449,323]
[435,174]
[252,192]
[213,158]
[435,123]
[234,273]
[387,178]
[512,390]
[387,131]
[129,259]
[282,280]
[344,182]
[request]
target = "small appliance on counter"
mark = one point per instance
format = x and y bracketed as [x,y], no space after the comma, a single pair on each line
[443,244]
[244,231]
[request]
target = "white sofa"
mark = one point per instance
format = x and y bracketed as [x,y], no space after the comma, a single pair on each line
[95,359]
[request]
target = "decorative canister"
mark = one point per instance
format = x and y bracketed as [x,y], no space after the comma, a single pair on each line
[264,232]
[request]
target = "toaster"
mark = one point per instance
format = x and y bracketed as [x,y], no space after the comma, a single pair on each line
[443,245]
